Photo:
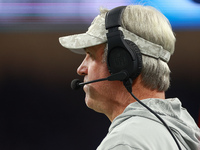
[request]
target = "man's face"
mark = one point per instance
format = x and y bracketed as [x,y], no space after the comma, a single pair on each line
[99,95]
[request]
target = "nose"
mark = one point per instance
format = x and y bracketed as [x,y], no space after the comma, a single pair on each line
[82,69]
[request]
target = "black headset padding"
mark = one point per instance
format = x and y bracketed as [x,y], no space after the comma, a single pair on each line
[123,55]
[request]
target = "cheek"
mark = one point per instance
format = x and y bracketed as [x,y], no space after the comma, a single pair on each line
[98,71]
[101,88]
[104,71]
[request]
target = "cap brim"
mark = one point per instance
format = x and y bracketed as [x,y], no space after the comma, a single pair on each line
[76,43]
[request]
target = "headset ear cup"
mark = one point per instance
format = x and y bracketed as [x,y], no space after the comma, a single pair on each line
[119,59]
[138,56]
[123,55]
[126,57]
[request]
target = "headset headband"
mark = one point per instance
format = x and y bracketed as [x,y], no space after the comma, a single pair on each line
[113,17]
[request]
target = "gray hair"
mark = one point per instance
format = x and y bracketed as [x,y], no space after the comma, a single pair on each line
[150,24]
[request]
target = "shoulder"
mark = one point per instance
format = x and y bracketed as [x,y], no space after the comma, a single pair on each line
[136,133]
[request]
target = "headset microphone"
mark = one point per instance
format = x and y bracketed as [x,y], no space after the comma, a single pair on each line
[120,76]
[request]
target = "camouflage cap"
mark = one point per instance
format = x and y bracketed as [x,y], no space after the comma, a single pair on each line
[96,35]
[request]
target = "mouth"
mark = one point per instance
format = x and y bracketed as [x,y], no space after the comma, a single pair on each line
[84,79]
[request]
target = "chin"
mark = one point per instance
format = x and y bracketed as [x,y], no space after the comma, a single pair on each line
[90,103]
[92,98]
[88,100]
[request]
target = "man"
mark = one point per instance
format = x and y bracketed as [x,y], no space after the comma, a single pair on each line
[133,126]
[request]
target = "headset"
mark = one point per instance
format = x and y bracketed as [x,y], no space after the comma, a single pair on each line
[125,56]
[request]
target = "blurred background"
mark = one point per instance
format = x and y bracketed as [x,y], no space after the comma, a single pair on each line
[38,109]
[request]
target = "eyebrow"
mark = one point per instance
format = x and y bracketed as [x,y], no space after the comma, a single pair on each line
[87,50]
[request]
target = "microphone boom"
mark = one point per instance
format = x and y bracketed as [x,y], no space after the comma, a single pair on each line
[76,83]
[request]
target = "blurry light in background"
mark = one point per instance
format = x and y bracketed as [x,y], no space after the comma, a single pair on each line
[197,1]
[182,14]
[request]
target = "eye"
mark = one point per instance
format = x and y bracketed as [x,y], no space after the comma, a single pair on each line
[90,54]
[87,52]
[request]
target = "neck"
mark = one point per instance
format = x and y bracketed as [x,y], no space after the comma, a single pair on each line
[123,98]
